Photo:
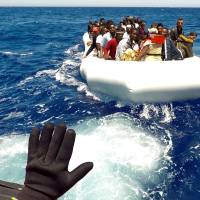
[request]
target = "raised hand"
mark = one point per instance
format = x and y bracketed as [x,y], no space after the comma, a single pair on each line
[49,153]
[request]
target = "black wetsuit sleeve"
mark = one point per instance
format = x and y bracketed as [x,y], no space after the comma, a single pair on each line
[94,45]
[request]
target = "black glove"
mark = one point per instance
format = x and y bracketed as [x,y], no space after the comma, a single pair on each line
[47,175]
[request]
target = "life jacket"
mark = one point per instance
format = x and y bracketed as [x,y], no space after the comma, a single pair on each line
[157,39]
[155,48]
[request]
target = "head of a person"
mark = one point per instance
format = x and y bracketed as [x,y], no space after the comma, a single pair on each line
[154,25]
[119,35]
[101,30]
[193,35]
[105,30]
[143,37]
[165,32]
[119,28]
[109,23]
[112,29]
[102,20]
[130,20]
[134,35]
[95,30]
[179,23]
[142,24]
[128,28]
[160,28]
[124,22]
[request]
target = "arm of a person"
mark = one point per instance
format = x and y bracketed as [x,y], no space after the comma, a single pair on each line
[100,51]
[142,53]
[49,153]
[92,46]
[185,39]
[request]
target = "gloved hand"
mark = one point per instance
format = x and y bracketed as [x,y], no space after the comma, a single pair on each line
[49,153]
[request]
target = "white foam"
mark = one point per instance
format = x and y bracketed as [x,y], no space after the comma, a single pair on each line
[49,72]
[9,53]
[125,159]
[116,139]
[168,112]
[70,62]
[13,115]
[23,82]
[148,110]
[39,74]
[83,88]
[72,49]
[12,145]
[164,111]
[64,75]
[123,156]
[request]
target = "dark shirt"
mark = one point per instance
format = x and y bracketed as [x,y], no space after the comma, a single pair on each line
[170,52]
[174,34]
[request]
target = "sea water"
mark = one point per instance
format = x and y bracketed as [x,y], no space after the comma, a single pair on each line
[140,151]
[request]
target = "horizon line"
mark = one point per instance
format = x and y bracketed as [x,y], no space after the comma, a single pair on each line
[81,6]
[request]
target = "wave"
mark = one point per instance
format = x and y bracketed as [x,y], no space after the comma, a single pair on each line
[128,161]
[9,53]
[39,74]
[164,111]
[13,115]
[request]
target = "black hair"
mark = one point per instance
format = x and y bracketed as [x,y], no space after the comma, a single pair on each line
[160,24]
[193,34]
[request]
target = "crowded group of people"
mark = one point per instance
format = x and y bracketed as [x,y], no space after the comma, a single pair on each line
[132,40]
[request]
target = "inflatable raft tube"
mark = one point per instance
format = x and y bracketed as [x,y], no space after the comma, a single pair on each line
[143,82]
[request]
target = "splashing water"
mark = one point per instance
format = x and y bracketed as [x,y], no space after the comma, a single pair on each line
[126,159]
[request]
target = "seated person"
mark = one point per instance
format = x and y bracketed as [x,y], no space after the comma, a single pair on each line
[93,47]
[108,35]
[177,31]
[150,48]
[153,29]
[111,46]
[160,28]
[125,44]
[169,50]
[103,30]
[185,44]
[87,38]
[127,33]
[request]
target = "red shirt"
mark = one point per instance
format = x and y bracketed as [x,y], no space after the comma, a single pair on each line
[110,48]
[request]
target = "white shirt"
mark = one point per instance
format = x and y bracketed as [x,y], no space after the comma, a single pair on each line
[126,36]
[87,43]
[99,39]
[106,37]
[123,45]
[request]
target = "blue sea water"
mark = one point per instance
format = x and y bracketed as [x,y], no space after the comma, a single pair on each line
[140,151]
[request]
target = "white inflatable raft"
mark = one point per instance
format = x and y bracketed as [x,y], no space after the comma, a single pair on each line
[149,81]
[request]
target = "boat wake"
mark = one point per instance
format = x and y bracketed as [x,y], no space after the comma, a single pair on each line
[129,163]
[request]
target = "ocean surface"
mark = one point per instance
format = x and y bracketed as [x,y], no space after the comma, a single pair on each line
[140,151]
